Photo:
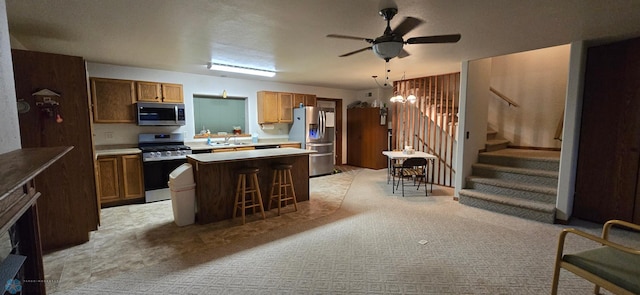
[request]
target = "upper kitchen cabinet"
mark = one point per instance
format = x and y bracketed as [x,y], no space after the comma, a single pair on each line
[113,100]
[275,107]
[159,92]
[308,100]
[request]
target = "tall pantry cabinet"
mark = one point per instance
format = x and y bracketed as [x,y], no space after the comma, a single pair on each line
[366,138]
[68,207]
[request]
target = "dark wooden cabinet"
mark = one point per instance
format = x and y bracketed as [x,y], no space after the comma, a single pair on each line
[366,138]
[608,170]
[68,210]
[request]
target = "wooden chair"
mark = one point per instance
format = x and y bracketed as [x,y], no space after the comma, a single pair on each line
[612,266]
[416,168]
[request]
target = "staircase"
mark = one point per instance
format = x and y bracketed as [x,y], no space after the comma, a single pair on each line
[494,142]
[517,182]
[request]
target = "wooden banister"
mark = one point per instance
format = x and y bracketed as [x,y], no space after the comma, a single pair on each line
[558,134]
[504,97]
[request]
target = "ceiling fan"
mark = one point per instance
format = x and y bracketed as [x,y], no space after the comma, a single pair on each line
[390,44]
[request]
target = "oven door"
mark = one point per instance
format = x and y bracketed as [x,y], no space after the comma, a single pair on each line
[156,178]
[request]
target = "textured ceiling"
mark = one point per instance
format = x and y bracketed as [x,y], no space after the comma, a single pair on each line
[289,35]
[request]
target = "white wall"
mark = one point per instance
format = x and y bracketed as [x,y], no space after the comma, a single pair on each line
[537,81]
[370,95]
[107,134]
[475,77]
[571,134]
[10,130]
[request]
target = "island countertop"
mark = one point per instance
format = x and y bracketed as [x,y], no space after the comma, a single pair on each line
[248,155]
[216,180]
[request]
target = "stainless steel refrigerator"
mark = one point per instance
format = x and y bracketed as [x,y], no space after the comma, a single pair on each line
[313,128]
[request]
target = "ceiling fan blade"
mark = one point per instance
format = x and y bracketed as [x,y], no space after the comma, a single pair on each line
[408,24]
[403,53]
[434,39]
[349,37]
[357,51]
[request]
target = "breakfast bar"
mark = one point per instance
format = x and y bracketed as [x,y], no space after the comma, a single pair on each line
[215,178]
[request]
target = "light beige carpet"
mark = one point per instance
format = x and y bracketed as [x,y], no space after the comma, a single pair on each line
[371,245]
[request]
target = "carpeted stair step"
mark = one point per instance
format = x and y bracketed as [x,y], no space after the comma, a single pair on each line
[496,144]
[544,194]
[520,175]
[532,210]
[530,159]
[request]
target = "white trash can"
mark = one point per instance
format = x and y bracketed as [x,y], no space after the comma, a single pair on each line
[183,195]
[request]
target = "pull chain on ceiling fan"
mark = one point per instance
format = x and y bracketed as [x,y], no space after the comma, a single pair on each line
[391,43]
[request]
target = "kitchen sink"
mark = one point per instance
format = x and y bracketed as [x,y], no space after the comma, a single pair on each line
[228,144]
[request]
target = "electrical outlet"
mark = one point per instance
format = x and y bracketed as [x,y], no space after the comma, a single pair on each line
[108,135]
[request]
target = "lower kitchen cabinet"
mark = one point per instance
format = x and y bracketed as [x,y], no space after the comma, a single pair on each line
[290,145]
[119,178]
[233,149]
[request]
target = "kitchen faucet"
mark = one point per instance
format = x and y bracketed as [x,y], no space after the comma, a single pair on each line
[227,137]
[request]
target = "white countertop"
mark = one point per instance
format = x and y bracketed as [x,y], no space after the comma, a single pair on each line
[248,155]
[201,145]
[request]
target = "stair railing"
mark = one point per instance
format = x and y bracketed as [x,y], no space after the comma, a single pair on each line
[429,124]
[504,97]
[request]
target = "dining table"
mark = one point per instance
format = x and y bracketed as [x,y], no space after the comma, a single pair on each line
[395,156]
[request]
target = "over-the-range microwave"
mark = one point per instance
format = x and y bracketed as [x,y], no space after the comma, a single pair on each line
[160,114]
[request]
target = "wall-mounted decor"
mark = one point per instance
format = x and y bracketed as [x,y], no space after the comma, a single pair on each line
[46,101]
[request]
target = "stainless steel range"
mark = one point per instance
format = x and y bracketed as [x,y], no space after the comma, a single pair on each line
[161,154]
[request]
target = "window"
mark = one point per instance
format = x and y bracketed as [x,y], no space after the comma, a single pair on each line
[219,114]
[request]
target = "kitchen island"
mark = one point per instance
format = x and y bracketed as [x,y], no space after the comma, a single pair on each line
[215,177]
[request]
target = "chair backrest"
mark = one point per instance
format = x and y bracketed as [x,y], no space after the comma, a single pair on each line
[414,162]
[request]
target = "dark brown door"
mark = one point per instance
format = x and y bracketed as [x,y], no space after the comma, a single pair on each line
[68,207]
[609,152]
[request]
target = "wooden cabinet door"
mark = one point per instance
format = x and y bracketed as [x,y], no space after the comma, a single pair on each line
[267,107]
[172,93]
[366,138]
[290,145]
[298,99]
[310,100]
[285,111]
[149,91]
[108,179]
[354,137]
[132,180]
[113,100]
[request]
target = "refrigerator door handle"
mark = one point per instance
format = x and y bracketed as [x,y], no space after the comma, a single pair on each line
[321,123]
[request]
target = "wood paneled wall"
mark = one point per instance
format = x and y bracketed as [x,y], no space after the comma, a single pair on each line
[429,124]
[68,207]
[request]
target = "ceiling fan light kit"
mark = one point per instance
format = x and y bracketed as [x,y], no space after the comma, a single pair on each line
[240,70]
[387,50]
[390,44]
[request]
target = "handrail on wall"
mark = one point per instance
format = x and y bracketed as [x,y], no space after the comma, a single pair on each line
[504,97]
[558,135]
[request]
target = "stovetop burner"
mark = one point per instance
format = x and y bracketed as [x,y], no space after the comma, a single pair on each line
[157,147]
[162,148]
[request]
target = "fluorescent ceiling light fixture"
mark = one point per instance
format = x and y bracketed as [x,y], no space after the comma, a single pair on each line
[241,70]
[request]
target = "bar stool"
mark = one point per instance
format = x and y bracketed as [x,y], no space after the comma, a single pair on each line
[254,200]
[282,181]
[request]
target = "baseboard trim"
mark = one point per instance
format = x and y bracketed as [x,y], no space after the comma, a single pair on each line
[534,148]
